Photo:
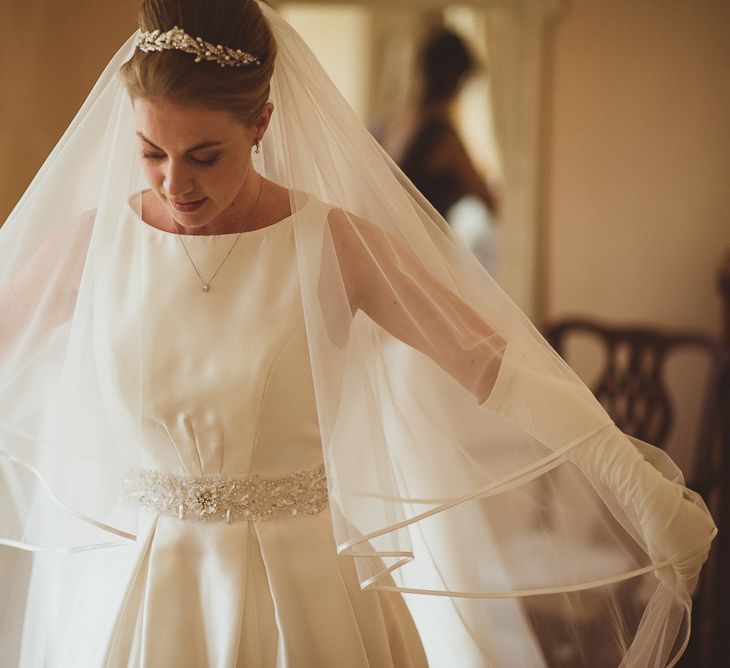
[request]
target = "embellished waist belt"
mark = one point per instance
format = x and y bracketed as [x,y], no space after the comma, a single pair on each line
[226,499]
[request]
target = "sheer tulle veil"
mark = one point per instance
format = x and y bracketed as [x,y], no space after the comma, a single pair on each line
[468,466]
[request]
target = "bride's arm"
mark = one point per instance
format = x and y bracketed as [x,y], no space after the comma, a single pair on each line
[388,283]
[42,294]
[524,383]
[533,393]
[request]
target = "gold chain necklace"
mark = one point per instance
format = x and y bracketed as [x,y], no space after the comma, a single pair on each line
[205,285]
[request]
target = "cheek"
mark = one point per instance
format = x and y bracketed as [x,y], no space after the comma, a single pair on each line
[152,174]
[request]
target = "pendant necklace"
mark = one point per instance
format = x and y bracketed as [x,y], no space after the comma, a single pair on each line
[205,285]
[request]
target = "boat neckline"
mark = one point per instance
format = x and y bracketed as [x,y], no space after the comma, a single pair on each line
[276,224]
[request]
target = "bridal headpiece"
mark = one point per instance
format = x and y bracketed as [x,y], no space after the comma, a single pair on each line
[177,39]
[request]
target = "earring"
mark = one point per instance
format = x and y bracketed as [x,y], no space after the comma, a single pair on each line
[258,145]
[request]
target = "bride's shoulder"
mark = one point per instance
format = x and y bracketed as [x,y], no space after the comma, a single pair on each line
[351,230]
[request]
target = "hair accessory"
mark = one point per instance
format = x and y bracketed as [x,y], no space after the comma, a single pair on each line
[177,39]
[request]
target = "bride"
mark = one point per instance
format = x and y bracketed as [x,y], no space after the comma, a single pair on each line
[260,407]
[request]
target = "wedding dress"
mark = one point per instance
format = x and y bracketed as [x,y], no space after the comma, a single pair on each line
[227,393]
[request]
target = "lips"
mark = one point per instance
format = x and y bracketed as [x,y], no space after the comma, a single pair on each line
[187,207]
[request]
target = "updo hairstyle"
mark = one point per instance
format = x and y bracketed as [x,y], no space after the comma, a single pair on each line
[175,76]
[445,61]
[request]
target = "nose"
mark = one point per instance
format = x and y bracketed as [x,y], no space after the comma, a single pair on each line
[177,183]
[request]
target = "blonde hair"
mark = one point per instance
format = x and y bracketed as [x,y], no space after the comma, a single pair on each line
[175,76]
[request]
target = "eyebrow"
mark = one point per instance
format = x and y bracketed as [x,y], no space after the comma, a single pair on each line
[197,147]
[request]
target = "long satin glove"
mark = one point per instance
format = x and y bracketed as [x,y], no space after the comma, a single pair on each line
[536,394]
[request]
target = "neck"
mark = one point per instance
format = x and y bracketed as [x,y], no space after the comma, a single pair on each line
[240,214]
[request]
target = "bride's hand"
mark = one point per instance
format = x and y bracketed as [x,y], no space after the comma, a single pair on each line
[537,395]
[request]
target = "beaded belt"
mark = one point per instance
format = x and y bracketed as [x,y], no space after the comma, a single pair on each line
[226,499]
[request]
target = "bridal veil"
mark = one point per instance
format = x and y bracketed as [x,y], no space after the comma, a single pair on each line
[468,466]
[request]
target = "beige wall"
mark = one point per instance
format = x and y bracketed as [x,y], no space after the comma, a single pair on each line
[637,171]
[636,180]
[51,52]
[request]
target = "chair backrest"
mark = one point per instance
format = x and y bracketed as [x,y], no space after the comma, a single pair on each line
[632,385]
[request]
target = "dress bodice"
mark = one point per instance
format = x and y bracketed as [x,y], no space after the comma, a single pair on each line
[226,385]
[234,561]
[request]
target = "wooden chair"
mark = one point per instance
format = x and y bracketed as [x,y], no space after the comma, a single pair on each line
[632,386]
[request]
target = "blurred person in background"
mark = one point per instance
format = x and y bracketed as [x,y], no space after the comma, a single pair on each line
[426,145]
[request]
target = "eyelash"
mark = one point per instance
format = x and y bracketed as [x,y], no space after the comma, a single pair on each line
[156,157]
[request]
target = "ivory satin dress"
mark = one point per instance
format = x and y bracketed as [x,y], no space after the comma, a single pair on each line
[228,397]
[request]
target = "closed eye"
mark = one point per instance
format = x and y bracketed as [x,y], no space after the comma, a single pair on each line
[157,157]
[207,162]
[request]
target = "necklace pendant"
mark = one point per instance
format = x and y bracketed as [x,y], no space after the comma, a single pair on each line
[206,287]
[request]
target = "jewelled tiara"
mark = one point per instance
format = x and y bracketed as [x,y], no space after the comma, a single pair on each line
[177,39]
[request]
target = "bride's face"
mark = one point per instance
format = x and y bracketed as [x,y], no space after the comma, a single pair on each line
[196,160]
